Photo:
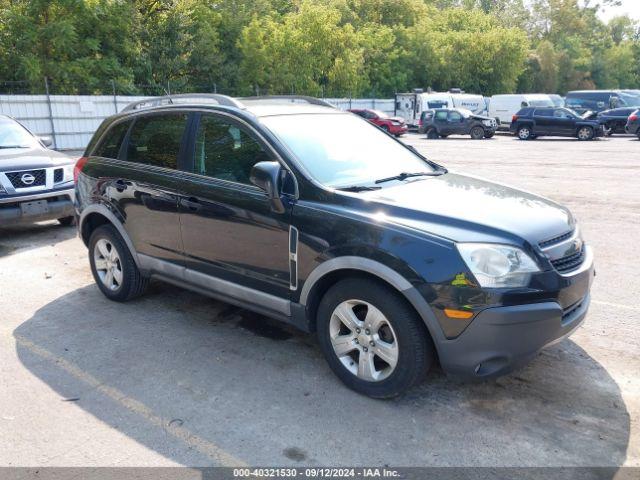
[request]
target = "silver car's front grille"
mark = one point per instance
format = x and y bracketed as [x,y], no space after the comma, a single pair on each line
[28,178]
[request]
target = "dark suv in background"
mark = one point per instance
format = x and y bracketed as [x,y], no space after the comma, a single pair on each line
[442,122]
[313,216]
[530,123]
[633,124]
[36,183]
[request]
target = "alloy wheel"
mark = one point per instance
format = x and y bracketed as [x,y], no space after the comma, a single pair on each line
[524,133]
[363,340]
[584,133]
[108,265]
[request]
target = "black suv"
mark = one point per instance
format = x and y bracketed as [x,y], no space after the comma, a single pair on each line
[36,183]
[313,216]
[442,122]
[530,123]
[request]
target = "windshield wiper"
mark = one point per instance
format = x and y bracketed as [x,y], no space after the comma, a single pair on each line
[357,188]
[405,175]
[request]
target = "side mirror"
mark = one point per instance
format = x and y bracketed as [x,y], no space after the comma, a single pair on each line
[266,176]
[46,141]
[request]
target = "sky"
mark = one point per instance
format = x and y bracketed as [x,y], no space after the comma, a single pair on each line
[630,7]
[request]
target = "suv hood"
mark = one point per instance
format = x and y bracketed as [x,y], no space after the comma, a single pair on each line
[465,208]
[480,117]
[12,159]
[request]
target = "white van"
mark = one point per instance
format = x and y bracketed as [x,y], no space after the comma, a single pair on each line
[503,107]
[411,105]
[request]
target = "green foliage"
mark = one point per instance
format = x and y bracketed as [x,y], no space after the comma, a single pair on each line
[321,47]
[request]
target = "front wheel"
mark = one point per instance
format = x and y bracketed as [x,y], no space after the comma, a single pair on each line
[372,339]
[477,133]
[585,133]
[524,133]
[432,134]
[113,268]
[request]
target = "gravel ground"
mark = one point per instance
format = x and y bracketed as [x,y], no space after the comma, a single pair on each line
[175,378]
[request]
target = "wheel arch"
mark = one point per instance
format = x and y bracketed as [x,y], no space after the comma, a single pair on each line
[336,269]
[95,216]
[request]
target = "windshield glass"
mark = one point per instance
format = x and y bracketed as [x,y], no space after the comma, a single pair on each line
[343,150]
[13,135]
[465,113]
[380,114]
[628,100]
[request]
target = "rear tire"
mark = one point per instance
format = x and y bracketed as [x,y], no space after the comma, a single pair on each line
[432,134]
[113,268]
[477,133]
[524,133]
[360,318]
[585,133]
[67,221]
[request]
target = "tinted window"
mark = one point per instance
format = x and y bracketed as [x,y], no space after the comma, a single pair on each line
[226,151]
[544,112]
[155,139]
[455,117]
[441,115]
[110,145]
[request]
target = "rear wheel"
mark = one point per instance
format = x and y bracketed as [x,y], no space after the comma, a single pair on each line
[373,341]
[585,133]
[114,270]
[432,134]
[524,133]
[477,133]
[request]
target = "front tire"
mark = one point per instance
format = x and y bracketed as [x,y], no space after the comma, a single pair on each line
[432,134]
[585,133]
[524,133]
[372,339]
[477,133]
[113,268]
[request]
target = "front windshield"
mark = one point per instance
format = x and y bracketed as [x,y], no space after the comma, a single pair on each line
[13,135]
[343,150]
[629,100]
[465,113]
[380,114]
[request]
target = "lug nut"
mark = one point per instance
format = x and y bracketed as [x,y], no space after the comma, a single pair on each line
[365,349]
[367,331]
[357,330]
[372,343]
[356,340]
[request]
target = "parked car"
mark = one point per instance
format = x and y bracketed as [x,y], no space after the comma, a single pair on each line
[442,122]
[393,125]
[530,123]
[36,183]
[411,105]
[596,101]
[614,120]
[633,124]
[504,107]
[310,215]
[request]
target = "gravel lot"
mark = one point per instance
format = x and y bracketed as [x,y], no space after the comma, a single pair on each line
[175,378]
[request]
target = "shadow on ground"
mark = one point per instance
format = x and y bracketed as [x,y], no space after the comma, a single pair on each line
[203,383]
[36,235]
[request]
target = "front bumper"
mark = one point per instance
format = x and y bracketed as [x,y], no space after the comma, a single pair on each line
[503,338]
[59,204]
[398,130]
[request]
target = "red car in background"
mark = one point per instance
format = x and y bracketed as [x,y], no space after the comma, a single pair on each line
[393,125]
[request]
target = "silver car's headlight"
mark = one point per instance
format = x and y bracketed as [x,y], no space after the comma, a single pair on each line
[498,266]
[487,123]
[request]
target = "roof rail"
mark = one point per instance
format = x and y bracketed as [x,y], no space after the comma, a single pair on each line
[185,98]
[286,99]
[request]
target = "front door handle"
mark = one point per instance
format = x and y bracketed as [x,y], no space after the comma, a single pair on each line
[191,203]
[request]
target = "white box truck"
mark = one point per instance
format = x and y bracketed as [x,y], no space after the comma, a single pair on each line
[411,105]
[503,107]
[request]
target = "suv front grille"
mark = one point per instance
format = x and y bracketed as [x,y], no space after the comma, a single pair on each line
[570,262]
[552,241]
[17,178]
[58,175]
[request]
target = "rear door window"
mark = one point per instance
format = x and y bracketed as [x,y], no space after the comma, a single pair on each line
[110,145]
[157,139]
[226,150]
[544,112]
[441,115]
[455,117]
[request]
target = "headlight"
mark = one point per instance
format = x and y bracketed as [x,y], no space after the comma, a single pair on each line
[486,123]
[496,266]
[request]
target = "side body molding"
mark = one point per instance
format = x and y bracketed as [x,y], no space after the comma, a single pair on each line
[386,274]
[109,215]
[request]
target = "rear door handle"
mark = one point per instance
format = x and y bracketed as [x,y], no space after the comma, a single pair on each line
[121,185]
[191,203]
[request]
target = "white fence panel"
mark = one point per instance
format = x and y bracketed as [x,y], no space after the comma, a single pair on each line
[71,120]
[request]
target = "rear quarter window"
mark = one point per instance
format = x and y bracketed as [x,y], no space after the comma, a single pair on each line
[109,146]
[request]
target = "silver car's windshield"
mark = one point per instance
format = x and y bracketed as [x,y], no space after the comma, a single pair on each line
[14,135]
[341,150]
